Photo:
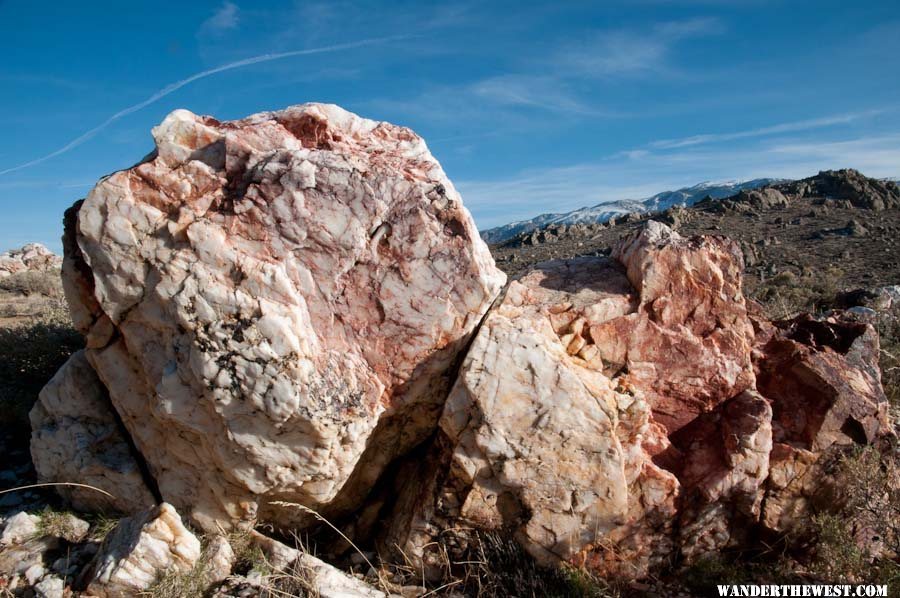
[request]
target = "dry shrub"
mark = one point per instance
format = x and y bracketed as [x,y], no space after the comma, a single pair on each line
[496,565]
[31,355]
[861,542]
[29,283]
[786,294]
[888,326]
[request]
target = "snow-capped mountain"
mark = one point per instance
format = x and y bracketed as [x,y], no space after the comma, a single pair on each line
[605,211]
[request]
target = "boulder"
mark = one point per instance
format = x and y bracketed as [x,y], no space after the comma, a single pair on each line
[537,438]
[19,528]
[824,384]
[687,343]
[623,413]
[33,257]
[51,586]
[764,198]
[139,551]
[275,305]
[76,437]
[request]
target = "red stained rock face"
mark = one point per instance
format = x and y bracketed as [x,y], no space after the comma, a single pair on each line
[687,346]
[622,414]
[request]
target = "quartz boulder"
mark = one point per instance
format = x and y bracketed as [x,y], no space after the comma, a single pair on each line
[274,305]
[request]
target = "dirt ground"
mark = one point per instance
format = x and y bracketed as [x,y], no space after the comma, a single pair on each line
[805,239]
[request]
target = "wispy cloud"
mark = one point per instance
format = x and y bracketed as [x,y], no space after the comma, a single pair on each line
[547,93]
[172,87]
[223,19]
[46,183]
[634,175]
[791,127]
[620,52]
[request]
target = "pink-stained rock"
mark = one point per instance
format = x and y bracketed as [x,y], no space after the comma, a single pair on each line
[725,456]
[33,257]
[140,551]
[535,437]
[823,380]
[687,346]
[274,305]
[608,415]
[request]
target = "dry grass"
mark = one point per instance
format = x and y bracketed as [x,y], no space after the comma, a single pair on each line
[888,326]
[858,543]
[787,294]
[29,283]
[496,565]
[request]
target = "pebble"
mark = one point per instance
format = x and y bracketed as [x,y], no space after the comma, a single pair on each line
[50,587]
[34,573]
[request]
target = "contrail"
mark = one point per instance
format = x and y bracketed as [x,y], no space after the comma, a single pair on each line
[201,75]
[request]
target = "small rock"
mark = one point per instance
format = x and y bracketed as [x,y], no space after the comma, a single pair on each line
[34,573]
[328,581]
[50,587]
[855,228]
[19,528]
[69,527]
[139,550]
[863,312]
[219,559]
[18,558]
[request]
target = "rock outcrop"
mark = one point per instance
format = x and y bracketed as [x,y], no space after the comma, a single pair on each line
[851,185]
[608,414]
[823,381]
[758,200]
[275,306]
[33,257]
[139,551]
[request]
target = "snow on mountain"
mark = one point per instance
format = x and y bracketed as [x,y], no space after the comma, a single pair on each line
[603,212]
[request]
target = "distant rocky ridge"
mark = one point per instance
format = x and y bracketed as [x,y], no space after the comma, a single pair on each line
[845,189]
[604,212]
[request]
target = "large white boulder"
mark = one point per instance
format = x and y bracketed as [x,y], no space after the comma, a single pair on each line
[275,304]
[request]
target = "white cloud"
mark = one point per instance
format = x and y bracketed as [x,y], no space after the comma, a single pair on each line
[225,18]
[792,127]
[621,52]
[542,92]
[634,175]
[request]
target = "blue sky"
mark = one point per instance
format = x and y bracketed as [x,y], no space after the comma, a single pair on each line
[530,106]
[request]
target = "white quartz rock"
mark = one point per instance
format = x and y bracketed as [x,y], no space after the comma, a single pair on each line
[274,304]
[76,438]
[139,551]
[19,528]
